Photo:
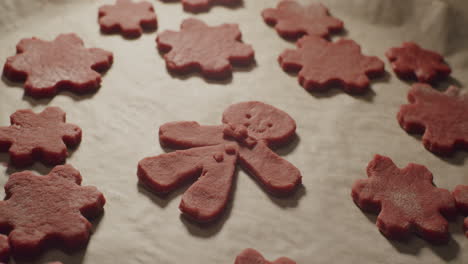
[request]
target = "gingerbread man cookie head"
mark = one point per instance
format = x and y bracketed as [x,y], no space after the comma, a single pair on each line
[260,121]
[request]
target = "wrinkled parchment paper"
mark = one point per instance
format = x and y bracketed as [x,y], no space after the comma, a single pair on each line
[337,135]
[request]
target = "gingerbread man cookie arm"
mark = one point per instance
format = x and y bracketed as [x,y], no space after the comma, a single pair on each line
[186,134]
[276,174]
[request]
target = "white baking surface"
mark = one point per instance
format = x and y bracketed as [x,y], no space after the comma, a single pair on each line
[338,135]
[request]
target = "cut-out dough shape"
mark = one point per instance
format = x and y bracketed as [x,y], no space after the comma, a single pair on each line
[293,20]
[406,200]
[461,199]
[4,249]
[251,256]
[209,50]
[42,210]
[127,17]
[197,6]
[64,63]
[442,118]
[44,136]
[410,61]
[249,129]
[321,64]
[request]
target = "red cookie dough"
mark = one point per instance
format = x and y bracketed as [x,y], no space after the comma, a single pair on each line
[43,137]
[251,256]
[440,116]
[293,20]
[410,61]
[127,17]
[4,249]
[405,199]
[210,50]
[461,199]
[43,210]
[213,152]
[196,6]
[63,63]
[321,64]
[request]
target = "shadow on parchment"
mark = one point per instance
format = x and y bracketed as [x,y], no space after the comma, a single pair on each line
[457,158]
[56,251]
[438,85]
[233,6]
[37,166]
[46,100]
[195,73]
[336,88]
[203,230]
[414,244]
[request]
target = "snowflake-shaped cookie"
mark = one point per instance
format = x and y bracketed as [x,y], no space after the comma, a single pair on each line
[63,63]
[410,61]
[210,50]
[461,199]
[321,63]
[292,20]
[405,199]
[41,210]
[213,152]
[4,249]
[251,256]
[197,6]
[43,136]
[127,17]
[442,118]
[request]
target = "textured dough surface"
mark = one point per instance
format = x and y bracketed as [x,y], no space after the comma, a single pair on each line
[441,117]
[44,136]
[212,153]
[291,19]
[410,61]
[406,200]
[127,17]
[212,50]
[64,63]
[321,64]
[120,124]
[42,210]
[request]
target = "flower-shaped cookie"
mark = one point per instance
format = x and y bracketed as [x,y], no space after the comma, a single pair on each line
[321,63]
[405,199]
[293,20]
[64,63]
[410,61]
[127,17]
[440,116]
[41,210]
[248,130]
[43,136]
[210,50]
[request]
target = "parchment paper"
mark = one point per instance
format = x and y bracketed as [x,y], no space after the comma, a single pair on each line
[338,135]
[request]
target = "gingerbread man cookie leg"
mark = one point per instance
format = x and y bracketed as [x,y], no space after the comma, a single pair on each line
[206,199]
